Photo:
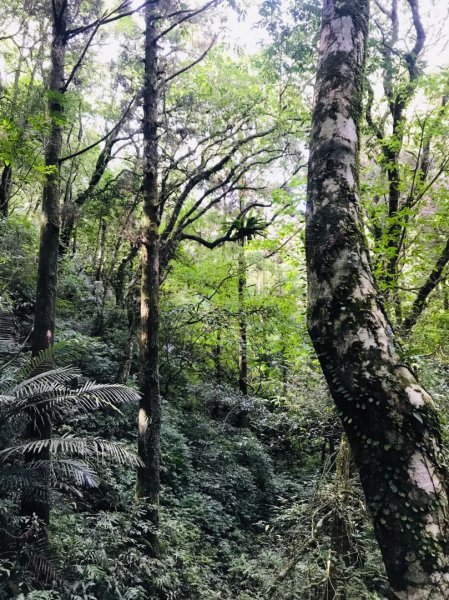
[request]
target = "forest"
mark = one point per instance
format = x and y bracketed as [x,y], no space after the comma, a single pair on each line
[224,300]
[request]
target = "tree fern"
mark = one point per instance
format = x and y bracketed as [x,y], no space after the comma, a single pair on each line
[58,393]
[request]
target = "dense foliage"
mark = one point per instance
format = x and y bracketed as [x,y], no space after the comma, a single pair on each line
[259,496]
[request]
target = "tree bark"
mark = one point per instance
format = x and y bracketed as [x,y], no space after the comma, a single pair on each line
[390,420]
[340,545]
[217,357]
[243,335]
[45,310]
[5,187]
[148,478]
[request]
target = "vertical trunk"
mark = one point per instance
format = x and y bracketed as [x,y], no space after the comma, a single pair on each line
[125,366]
[44,318]
[101,250]
[5,186]
[284,368]
[68,227]
[242,417]
[243,354]
[71,208]
[217,357]
[340,534]
[398,102]
[390,420]
[148,479]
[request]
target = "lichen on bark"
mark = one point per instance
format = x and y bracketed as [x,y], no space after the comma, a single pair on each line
[390,420]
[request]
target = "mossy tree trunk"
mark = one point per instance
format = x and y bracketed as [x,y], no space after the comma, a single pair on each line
[45,310]
[5,188]
[340,546]
[390,420]
[243,334]
[148,480]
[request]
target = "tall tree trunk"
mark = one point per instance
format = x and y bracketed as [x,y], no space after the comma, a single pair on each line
[242,416]
[148,479]
[340,534]
[101,250]
[44,318]
[5,187]
[243,336]
[127,359]
[390,420]
[217,357]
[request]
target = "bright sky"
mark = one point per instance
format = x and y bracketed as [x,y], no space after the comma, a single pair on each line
[435,16]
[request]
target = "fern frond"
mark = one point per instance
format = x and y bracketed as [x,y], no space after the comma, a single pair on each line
[42,566]
[45,380]
[41,363]
[93,448]
[7,328]
[79,472]
[48,395]
[17,477]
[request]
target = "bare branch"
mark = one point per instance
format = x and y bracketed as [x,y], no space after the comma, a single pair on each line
[187,17]
[110,17]
[192,64]
[80,59]
[105,137]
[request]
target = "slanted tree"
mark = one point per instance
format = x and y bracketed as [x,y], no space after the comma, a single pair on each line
[390,420]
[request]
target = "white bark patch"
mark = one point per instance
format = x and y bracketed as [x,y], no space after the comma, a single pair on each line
[423,592]
[349,176]
[423,474]
[439,579]
[342,33]
[347,128]
[367,338]
[415,396]
[432,528]
[330,186]
[328,129]
[319,289]
[340,268]
[324,38]
[142,421]
[365,289]
[342,127]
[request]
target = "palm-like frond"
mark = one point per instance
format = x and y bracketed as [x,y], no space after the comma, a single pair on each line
[48,392]
[31,475]
[47,380]
[90,448]
[6,327]
[43,362]
[59,463]
[17,477]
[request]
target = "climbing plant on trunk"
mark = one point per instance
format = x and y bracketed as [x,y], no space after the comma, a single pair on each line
[148,480]
[390,420]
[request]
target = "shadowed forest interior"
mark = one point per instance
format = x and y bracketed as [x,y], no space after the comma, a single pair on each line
[224,300]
